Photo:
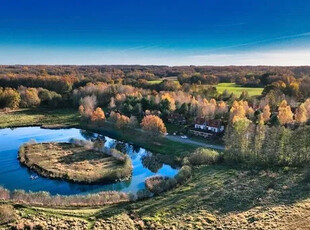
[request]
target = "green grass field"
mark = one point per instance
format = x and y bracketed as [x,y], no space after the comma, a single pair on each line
[230,87]
[237,90]
[28,117]
[154,82]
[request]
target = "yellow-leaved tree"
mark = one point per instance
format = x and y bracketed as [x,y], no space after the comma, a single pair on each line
[266,113]
[285,114]
[153,125]
[301,114]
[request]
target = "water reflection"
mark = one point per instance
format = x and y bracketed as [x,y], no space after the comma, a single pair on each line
[150,162]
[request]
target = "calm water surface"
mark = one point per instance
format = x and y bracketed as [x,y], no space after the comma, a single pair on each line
[14,176]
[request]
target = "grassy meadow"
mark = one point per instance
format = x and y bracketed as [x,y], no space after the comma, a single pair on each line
[230,87]
[29,117]
[237,90]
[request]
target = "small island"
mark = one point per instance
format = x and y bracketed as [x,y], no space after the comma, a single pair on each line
[75,163]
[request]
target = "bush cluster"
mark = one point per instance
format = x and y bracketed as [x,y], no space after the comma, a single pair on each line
[7,214]
[203,156]
[45,199]
[159,184]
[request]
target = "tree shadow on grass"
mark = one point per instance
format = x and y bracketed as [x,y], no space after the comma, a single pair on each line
[222,190]
[113,210]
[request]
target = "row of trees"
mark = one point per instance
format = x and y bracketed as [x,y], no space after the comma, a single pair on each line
[283,114]
[45,199]
[168,102]
[152,124]
[134,101]
[58,84]
[198,78]
[262,144]
[28,98]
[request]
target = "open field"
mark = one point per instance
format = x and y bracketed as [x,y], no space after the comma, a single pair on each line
[237,90]
[28,117]
[216,197]
[74,163]
[153,82]
[230,87]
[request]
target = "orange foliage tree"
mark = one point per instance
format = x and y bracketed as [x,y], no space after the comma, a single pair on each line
[98,115]
[153,125]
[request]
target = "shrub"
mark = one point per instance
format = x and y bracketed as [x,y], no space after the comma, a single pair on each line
[9,98]
[96,146]
[184,174]
[159,184]
[204,156]
[83,143]
[7,214]
[29,97]
[4,194]
[143,194]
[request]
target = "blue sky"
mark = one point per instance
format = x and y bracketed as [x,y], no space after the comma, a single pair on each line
[205,32]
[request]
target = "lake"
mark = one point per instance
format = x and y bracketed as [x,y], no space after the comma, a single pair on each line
[15,176]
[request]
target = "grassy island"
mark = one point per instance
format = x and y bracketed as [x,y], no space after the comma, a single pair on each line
[75,163]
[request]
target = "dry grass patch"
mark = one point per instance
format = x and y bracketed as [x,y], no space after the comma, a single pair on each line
[74,163]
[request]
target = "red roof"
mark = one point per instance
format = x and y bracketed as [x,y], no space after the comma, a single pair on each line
[210,122]
[200,121]
[214,123]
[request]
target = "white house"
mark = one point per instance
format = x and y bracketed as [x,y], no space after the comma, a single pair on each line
[214,126]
